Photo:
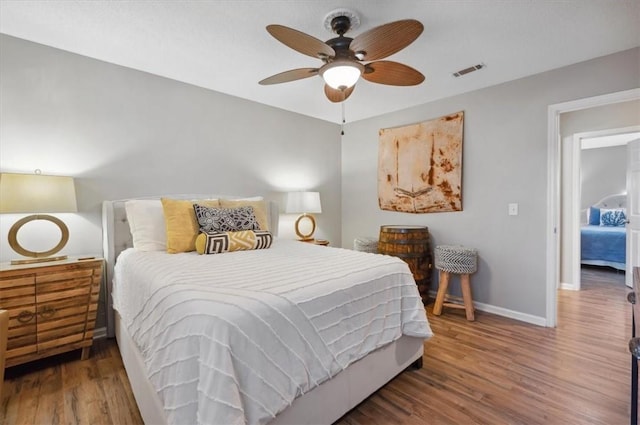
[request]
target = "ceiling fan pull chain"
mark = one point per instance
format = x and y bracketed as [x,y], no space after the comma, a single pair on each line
[343,120]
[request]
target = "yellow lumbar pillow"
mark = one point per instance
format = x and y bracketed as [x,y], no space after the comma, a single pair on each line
[259,210]
[180,221]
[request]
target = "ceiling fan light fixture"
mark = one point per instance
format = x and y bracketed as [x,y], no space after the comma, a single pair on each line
[341,74]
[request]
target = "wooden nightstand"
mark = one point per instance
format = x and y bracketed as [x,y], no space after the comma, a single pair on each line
[322,242]
[52,307]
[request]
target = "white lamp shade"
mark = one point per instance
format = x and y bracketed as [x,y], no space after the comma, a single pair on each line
[303,202]
[341,74]
[35,193]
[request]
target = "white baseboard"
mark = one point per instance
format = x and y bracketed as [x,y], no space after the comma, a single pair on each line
[512,314]
[100,333]
[568,286]
[500,311]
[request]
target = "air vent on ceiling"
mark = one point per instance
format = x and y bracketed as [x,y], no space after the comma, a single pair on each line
[468,70]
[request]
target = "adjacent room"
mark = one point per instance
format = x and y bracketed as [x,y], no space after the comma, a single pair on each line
[319,212]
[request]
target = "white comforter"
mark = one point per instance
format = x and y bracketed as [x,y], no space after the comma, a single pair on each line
[234,338]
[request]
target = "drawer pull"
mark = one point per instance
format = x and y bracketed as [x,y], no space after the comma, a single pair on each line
[25,316]
[47,312]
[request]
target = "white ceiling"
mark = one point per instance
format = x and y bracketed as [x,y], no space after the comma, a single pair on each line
[223,45]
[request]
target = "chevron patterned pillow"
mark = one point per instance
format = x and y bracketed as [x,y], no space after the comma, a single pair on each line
[221,242]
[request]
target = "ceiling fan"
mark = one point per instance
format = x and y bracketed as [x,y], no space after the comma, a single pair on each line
[347,59]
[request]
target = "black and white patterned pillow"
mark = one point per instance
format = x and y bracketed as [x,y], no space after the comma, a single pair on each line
[221,242]
[225,219]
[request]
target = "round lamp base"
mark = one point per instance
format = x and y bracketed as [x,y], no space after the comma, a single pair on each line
[308,236]
[41,256]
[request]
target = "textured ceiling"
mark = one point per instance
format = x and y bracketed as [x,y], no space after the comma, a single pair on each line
[223,45]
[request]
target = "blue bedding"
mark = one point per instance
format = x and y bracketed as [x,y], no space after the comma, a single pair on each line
[604,246]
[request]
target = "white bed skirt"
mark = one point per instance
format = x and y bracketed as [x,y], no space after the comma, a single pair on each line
[324,404]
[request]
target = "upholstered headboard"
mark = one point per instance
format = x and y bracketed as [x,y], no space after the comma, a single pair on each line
[612,201]
[116,236]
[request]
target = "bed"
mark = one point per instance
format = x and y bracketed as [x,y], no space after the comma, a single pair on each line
[297,313]
[603,241]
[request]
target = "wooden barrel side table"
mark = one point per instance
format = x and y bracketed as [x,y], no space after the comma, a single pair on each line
[413,245]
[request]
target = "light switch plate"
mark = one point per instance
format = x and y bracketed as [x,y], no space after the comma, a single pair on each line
[513,209]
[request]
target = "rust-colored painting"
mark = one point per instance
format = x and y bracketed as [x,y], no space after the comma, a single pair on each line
[420,166]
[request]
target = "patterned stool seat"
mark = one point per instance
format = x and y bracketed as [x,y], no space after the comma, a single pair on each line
[457,260]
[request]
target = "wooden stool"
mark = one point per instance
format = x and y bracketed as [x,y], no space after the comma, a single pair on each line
[458,260]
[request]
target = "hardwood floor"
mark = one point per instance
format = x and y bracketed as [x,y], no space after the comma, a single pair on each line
[491,371]
[66,390]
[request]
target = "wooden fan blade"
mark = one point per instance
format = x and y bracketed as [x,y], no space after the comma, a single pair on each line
[301,42]
[385,40]
[392,74]
[291,75]
[337,96]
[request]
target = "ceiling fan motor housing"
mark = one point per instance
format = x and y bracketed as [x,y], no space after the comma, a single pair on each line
[341,46]
[340,24]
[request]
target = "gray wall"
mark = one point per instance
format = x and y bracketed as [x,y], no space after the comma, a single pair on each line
[124,133]
[504,161]
[603,172]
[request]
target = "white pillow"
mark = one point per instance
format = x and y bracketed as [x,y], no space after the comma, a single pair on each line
[147,225]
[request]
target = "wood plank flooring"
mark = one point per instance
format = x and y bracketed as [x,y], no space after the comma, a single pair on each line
[501,371]
[491,371]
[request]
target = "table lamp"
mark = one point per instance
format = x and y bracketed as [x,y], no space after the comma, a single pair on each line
[36,193]
[304,203]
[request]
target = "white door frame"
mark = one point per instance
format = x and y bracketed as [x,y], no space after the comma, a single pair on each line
[633,212]
[576,211]
[553,186]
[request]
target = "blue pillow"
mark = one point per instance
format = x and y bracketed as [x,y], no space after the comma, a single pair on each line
[594,216]
[612,217]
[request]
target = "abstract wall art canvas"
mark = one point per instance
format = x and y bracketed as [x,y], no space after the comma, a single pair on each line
[420,166]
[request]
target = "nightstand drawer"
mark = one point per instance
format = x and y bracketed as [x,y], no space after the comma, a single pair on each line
[75,272]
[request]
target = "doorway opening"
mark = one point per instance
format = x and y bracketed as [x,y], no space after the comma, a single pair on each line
[554,156]
[596,177]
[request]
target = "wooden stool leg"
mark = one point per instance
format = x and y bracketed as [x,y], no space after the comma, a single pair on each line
[466,295]
[442,291]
